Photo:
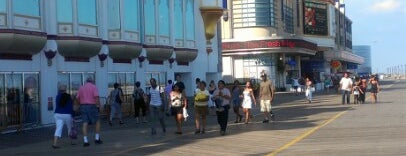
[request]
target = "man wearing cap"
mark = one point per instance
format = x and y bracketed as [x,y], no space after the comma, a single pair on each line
[266,95]
[88,98]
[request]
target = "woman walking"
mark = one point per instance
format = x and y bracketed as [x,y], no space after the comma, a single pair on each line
[309,90]
[177,104]
[139,103]
[248,97]
[116,97]
[63,114]
[236,99]
[375,88]
[222,96]
[201,109]
[363,87]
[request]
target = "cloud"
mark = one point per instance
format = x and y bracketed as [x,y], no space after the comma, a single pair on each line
[386,6]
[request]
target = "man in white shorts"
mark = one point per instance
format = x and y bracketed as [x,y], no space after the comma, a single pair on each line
[266,95]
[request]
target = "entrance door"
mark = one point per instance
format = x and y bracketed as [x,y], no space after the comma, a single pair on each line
[19,100]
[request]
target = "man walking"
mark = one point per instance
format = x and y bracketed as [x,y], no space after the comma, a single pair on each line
[156,107]
[88,98]
[266,95]
[346,86]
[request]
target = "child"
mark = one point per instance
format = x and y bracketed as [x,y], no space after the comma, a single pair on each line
[356,90]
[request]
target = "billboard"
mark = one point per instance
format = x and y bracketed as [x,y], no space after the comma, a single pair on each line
[315,18]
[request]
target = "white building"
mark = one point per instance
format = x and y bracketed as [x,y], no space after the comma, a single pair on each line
[44,43]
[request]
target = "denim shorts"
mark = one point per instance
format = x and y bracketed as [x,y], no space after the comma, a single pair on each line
[89,113]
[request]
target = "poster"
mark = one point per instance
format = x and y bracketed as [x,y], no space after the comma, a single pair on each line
[315,18]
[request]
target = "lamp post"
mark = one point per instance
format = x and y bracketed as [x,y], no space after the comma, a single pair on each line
[211,12]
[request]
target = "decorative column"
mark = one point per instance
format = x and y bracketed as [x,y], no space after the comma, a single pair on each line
[104,51]
[211,13]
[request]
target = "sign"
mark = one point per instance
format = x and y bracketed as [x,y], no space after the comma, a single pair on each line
[263,44]
[315,18]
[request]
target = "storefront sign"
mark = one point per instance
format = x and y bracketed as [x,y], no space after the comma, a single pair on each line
[263,44]
[315,18]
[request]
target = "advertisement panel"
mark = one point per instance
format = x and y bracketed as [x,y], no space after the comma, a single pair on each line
[315,18]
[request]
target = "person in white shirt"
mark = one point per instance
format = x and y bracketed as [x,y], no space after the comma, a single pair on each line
[156,107]
[345,86]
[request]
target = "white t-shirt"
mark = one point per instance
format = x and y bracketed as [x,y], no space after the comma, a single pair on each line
[155,95]
[346,84]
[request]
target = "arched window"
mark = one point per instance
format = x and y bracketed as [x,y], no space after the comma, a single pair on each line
[178,20]
[190,20]
[87,12]
[64,11]
[164,18]
[113,12]
[26,7]
[3,5]
[131,15]
[149,12]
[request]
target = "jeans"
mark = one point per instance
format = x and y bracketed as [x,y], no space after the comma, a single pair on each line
[156,115]
[115,108]
[345,93]
[222,118]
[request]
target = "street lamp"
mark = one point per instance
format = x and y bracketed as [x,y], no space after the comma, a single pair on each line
[211,12]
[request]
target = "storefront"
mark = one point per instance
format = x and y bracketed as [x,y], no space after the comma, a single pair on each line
[279,58]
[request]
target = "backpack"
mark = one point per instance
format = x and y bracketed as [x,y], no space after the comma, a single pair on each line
[117,98]
[137,94]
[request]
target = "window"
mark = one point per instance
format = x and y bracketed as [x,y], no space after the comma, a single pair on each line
[3,5]
[113,10]
[131,15]
[149,11]
[26,7]
[64,11]
[248,13]
[87,12]
[190,20]
[288,19]
[178,17]
[164,17]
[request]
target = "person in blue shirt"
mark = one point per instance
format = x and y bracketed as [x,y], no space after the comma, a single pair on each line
[63,114]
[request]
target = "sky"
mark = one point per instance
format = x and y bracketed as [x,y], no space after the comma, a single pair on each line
[382,25]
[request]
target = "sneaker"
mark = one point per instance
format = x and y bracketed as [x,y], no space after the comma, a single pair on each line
[98,141]
[220,109]
[272,117]
[178,133]
[197,131]
[203,131]
[55,147]
[222,133]
[265,121]
[86,144]
[121,122]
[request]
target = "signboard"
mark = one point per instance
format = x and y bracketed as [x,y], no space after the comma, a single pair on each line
[274,43]
[315,18]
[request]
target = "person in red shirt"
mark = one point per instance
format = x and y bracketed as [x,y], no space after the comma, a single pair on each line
[88,98]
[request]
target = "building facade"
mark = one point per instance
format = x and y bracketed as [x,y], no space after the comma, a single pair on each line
[286,39]
[365,52]
[46,43]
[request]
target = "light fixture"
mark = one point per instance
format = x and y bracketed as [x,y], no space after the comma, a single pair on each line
[211,12]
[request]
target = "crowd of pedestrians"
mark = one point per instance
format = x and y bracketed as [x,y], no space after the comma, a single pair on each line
[155,103]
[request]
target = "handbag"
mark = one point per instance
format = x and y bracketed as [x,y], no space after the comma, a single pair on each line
[73,131]
[185,114]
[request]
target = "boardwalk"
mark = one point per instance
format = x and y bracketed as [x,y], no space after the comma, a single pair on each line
[324,127]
